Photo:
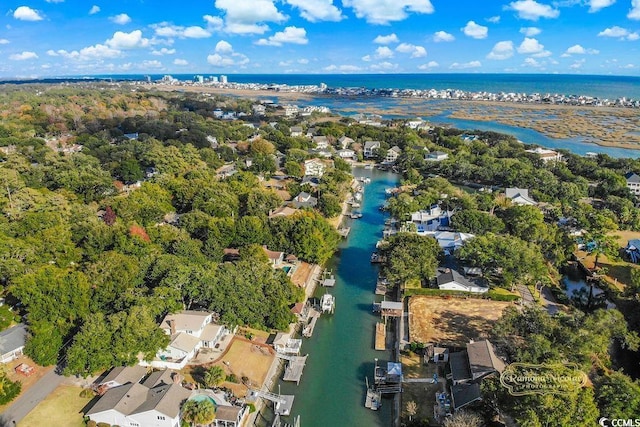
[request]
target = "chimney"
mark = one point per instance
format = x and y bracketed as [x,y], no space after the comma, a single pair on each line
[172,326]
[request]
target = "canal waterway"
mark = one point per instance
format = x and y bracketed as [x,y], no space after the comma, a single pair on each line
[332,389]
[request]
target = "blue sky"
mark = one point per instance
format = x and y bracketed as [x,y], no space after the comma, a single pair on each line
[78,37]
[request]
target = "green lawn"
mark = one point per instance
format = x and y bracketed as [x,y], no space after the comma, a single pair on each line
[60,408]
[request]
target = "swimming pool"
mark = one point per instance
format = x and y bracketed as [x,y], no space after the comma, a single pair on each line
[287,268]
[202,397]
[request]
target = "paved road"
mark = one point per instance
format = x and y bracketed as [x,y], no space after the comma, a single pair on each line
[549,301]
[37,393]
[527,298]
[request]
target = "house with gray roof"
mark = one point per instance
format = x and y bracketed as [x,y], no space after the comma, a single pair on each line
[449,279]
[520,196]
[304,200]
[633,182]
[370,148]
[12,342]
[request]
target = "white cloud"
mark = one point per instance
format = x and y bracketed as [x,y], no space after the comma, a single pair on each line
[163,51]
[596,5]
[530,31]
[443,36]
[366,58]
[180,62]
[383,52]
[248,17]
[317,10]
[23,56]
[120,19]
[384,66]
[54,1]
[343,68]
[94,9]
[223,46]
[4,41]
[530,46]
[501,50]
[429,65]
[577,64]
[25,13]
[213,22]
[531,62]
[415,51]
[494,19]
[474,30]
[465,65]
[634,12]
[90,53]
[195,32]
[532,10]
[132,40]
[620,33]
[292,35]
[391,38]
[385,11]
[303,61]
[579,50]
[150,64]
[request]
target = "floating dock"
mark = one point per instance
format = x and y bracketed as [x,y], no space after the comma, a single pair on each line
[293,371]
[381,336]
[344,232]
[282,403]
[373,400]
[381,287]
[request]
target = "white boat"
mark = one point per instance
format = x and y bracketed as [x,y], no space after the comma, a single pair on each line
[327,303]
[368,166]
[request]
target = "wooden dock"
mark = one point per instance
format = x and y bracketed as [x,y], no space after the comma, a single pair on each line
[314,315]
[381,287]
[381,336]
[293,371]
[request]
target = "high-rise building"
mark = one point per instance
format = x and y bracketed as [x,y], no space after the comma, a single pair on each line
[223,79]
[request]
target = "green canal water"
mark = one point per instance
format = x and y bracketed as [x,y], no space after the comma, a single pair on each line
[332,390]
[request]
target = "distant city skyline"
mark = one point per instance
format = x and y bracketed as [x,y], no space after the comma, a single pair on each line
[40,38]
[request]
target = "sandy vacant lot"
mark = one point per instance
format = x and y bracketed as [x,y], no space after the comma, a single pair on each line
[451,321]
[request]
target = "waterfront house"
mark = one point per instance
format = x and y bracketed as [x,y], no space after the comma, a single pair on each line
[314,167]
[519,196]
[370,148]
[633,250]
[304,200]
[392,155]
[451,240]
[290,110]
[12,342]
[347,154]
[546,155]
[275,258]
[633,183]
[259,109]
[436,156]
[284,344]
[282,211]
[430,219]
[450,280]
[189,331]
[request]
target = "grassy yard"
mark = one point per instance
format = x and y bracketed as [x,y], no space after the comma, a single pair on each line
[60,408]
[27,382]
[423,394]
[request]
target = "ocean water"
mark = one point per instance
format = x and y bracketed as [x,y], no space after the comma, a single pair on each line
[610,87]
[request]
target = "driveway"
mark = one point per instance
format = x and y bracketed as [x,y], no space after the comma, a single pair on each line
[549,301]
[30,399]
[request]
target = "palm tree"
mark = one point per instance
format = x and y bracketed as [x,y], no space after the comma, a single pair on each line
[214,376]
[412,409]
[198,412]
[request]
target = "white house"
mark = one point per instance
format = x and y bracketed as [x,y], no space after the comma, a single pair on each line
[12,342]
[346,153]
[546,155]
[290,110]
[451,240]
[321,142]
[189,331]
[370,148]
[259,109]
[436,156]
[121,375]
[392,154]
[304,200]
[430,219]
[275,258]
[633,183]
[284,344]
[141,405]
[519,196]
[451,280]
[314,167]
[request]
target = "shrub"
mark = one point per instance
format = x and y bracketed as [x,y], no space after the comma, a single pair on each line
[252,407]
[91,423]
[9,391]
[232,378]
[87,393]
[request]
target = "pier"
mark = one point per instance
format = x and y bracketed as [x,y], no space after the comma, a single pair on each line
[313,317]
[381,336]
[282,403]
[293,371]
